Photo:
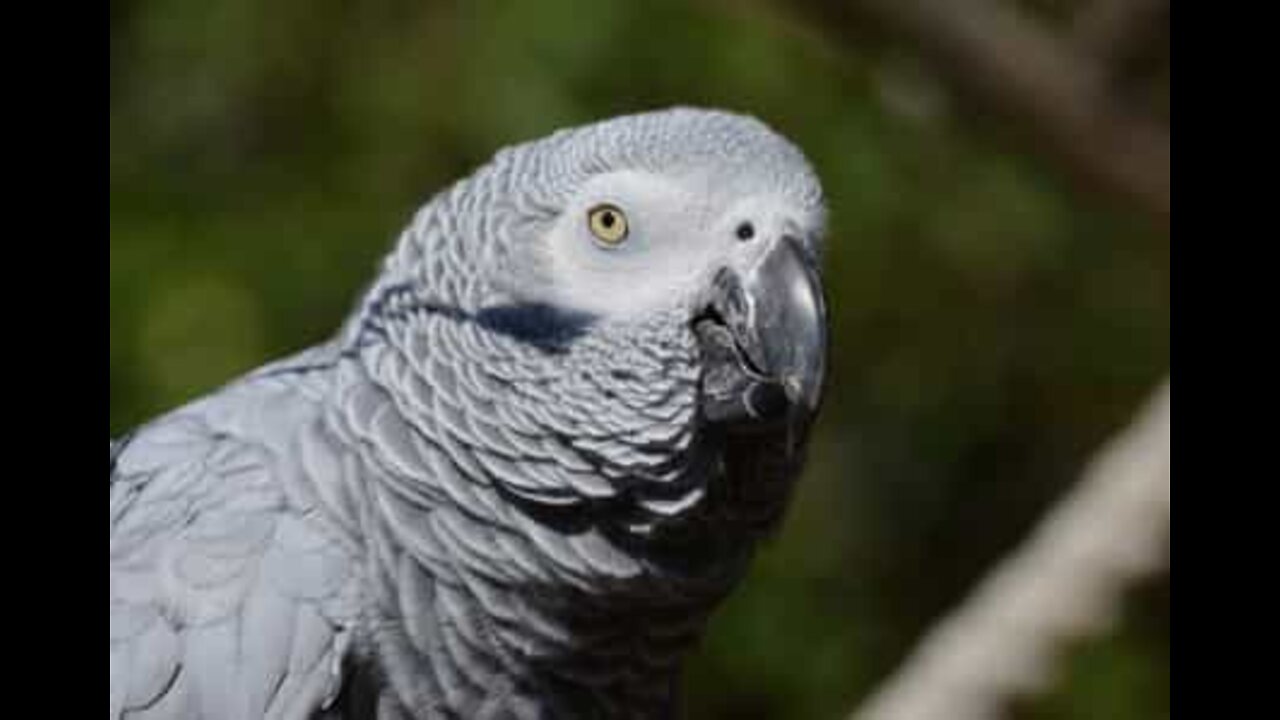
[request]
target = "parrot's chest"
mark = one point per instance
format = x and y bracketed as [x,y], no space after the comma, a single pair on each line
[504,616]
[479,648]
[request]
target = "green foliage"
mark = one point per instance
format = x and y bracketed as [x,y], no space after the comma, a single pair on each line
[991,326]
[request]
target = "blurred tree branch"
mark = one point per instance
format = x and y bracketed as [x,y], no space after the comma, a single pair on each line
[1114,32]
[1061,94]
[1064,583]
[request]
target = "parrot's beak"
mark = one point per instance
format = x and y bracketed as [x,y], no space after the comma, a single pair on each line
[764,338]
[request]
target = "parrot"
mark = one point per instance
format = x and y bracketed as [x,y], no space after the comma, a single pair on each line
[520,475]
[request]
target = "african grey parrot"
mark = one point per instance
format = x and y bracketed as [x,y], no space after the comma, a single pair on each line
[519,478]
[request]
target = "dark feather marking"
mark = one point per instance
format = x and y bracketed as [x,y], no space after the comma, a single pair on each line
[546,327]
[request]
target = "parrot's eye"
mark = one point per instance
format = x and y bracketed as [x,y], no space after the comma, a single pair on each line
[608,224]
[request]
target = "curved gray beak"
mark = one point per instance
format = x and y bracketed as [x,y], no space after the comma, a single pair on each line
[765,337]
[789,319]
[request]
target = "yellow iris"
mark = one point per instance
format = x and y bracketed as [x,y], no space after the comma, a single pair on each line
[608,224]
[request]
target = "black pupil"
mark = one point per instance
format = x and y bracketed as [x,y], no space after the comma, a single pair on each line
[746,231]
[607,219]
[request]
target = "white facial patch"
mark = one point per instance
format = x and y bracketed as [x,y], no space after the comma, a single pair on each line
[679,232]
[668,251]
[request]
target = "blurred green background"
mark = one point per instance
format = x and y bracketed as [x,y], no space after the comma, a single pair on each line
[991,325]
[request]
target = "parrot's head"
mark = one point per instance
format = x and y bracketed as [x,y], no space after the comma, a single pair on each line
[680,250]
[706,218]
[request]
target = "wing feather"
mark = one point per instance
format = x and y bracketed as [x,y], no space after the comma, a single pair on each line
[225,596]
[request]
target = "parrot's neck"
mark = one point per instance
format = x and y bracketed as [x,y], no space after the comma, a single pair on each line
[540,515]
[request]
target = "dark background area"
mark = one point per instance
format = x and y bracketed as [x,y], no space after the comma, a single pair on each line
[994,320]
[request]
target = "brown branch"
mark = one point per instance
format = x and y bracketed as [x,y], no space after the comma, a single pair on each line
[1112,32]
[1064,583]
[1007,64]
